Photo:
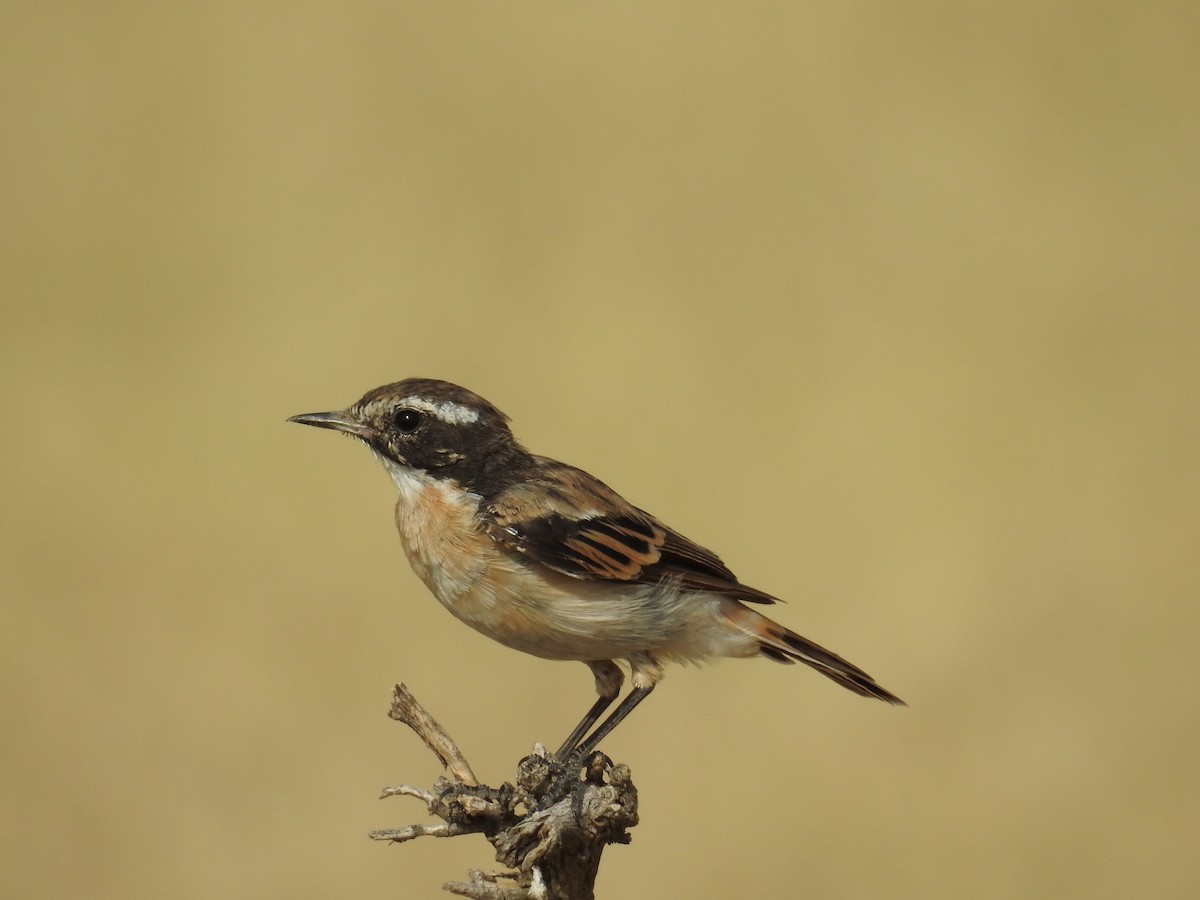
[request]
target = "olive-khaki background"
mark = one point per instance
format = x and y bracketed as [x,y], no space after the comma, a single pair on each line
[894,305]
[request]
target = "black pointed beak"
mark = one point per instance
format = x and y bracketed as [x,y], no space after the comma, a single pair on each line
[342,420]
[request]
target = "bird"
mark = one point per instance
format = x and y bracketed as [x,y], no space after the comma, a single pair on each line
[547,559]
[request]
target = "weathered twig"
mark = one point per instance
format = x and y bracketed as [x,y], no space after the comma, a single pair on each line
[549,827]
[406,709]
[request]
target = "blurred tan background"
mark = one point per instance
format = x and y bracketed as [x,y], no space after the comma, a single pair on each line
[894,305]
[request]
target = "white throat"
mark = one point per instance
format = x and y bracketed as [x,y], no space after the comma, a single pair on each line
[409,481]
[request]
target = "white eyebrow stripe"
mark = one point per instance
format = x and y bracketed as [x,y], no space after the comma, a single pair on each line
[448,411]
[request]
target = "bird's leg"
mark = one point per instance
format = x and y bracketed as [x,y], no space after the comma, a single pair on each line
[636,696]
[608,685]
[646,674]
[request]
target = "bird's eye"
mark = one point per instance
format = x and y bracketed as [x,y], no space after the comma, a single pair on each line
[407,421]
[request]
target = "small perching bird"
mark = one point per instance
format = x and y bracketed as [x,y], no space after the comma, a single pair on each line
[547,559]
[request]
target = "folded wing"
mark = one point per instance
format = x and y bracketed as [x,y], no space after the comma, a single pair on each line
[563,518]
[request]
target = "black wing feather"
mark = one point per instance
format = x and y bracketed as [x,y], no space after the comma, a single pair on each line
[573,523]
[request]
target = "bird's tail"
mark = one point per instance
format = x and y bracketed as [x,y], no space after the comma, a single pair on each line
[778,643]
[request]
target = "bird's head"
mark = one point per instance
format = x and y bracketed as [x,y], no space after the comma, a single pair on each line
[429,426]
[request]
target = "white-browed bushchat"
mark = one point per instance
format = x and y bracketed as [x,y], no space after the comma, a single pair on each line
[545,558]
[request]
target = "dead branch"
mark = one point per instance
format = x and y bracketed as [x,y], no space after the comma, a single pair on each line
[549,826]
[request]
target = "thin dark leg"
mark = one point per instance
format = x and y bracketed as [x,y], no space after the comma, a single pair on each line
[589,719]
[636,696]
